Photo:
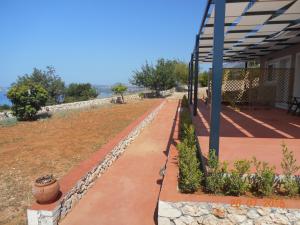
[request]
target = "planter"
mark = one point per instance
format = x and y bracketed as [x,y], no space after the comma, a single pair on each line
[120,100]
[45,189]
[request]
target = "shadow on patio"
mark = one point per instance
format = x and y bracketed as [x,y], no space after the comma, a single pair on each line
[248,133]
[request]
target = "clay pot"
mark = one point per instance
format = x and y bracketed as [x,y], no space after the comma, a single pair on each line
[46,192]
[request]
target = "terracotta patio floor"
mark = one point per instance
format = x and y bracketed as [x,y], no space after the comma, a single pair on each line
[248,133]
[128,192]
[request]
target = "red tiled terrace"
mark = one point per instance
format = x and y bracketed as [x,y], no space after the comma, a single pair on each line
[251,132]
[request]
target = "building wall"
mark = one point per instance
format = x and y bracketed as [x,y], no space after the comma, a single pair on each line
[294,52]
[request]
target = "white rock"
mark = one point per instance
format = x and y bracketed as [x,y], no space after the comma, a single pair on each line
[210,220]
[166,210]
[252,214]
[279,219]
[236,219]
[263,211]
[163,221]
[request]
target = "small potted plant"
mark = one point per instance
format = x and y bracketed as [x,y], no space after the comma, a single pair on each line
[45,189]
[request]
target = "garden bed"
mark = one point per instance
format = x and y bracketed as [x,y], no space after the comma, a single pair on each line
[200,207]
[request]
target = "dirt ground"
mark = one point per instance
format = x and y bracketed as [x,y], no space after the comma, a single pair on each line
[54,145]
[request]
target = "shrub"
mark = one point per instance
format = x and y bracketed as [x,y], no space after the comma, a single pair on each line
[190,175]
[236,183]
[80,92]
[215,179]
[184,102]
[185,121]
[262,182]
[189,135]
[289,168]
[27,100]
[49,80]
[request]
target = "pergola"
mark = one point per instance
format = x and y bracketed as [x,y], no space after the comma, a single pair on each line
[239,30]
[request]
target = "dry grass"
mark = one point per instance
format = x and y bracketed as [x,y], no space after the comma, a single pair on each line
[55,145]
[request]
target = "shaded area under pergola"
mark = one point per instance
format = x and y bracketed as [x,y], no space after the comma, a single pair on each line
[239,30]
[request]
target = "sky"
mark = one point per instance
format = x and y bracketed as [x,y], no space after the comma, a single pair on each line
[96,41]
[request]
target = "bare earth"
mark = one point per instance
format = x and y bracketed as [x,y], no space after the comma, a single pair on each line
[55,145]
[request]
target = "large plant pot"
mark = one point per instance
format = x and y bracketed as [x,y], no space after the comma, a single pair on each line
[46,189]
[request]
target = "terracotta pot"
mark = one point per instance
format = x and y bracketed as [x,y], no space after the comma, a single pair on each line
[46,193]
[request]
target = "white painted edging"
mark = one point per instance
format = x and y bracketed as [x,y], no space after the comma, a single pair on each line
[44,217]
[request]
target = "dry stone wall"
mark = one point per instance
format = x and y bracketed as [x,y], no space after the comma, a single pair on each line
[202,213]
[73,105]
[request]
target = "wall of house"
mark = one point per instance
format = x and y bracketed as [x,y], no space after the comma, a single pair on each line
[294,52]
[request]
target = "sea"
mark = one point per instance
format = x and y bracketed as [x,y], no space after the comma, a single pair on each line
[103,90]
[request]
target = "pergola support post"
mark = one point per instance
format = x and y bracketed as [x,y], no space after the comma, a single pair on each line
[191,81]
[217,72]
[196,56]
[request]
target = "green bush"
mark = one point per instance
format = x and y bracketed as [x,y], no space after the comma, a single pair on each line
[236,182]
[185,121]
[80,92]
[184,102]
[27,100]
[216,172]
[290,168]
[262,183]
[190,175]
[48,79]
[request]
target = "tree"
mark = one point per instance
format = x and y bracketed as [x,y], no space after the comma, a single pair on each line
[27,100]
[48,79]
[181,72]
[157,78]
[80,92]
[203,79]
[119,89]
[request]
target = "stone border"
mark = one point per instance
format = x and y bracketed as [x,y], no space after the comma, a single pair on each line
[196,213]
[65,205]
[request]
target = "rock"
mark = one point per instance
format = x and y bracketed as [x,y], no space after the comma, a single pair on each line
[237,219]
[166,210]
[279,219]
[163,221]
[218,212]
[210,220]
[248,222]
[179,222]
[252,214]
[263,211]
[236,210]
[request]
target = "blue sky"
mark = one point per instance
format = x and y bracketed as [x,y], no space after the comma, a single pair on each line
[96,41]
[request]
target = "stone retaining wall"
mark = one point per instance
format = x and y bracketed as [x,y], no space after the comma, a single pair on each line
[74,105]
[43,217]
[198,213]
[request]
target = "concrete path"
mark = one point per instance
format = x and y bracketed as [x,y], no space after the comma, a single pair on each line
[127,193]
